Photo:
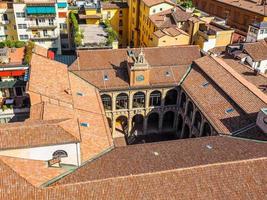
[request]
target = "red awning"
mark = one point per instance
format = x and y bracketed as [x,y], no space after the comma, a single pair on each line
[12,73]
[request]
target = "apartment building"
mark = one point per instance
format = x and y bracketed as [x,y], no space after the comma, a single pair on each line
[14,75]
[7,21]
[38,20]
[238,14]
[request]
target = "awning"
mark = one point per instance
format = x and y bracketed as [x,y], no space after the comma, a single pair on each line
[38,10]
[12,73]
[62,5]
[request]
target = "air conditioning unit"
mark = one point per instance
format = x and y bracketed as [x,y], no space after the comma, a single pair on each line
[262,120]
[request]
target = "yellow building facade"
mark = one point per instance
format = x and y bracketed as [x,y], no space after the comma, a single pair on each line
[7,22]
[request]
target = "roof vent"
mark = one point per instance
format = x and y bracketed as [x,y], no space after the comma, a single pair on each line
[106,77]
[155,153]
[84,124]
[167,73]
[206,84]
[80,94]
[209,146]
[229,110]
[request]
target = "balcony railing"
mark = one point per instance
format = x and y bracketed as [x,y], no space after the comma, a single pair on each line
[42,25]
[43,37]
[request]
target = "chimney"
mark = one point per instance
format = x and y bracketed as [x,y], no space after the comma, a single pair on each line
[262,120]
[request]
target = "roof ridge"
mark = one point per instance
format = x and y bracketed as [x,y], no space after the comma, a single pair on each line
[165,171]
[257,92]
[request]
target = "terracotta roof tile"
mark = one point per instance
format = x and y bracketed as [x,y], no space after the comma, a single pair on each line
[257,50]
[156,2]
[114,5]
[36,133]
[163,156]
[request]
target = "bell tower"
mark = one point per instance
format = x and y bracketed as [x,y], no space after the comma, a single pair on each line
[138,68]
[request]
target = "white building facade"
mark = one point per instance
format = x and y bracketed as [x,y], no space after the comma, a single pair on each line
[256,32]
[40,23]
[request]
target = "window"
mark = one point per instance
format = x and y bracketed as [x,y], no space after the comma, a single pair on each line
[15,27]
[20,14]
[5,18]
[121,13]
[23,37]
[63,26]
[160,9]
[22,26]
[60,154]
[45,32]
[18,91]
[120,22]
[154,10]
[262,31]
[120,32]
[51,22]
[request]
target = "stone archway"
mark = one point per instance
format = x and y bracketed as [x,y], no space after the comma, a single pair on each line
[139,100]
[186,131]
[153,123]
[168,121]
[122,124]
[155,98]
[206,131]
[107,102]
[122,101]
[171,97]
[138,124]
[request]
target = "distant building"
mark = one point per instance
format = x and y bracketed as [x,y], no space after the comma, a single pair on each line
[238,14]
[256,32]
[38,20]
[14,74]
[7,21]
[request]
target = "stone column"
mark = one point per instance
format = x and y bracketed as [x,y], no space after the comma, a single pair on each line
[130,102]
[163,95]
[113,102]
[147,97]
[113,125]
[129,124]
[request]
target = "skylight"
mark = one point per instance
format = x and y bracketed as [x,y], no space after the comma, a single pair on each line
[84,124]
[229,110]
[205,84]
[105,77]
[167,73]
[80,94]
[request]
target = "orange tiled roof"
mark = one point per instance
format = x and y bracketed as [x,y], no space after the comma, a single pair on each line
[36,133]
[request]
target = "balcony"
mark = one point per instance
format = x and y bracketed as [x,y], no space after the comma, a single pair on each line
[42,26]
[43,37]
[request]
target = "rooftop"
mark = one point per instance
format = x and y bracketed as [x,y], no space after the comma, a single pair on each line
[257,50]
[93,34]
[164,156]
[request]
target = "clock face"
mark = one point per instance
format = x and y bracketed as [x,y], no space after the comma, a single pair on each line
[140,78]
[265,120]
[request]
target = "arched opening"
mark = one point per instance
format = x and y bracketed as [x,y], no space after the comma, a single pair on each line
[180,124]
[190,109]
[60,154]
[186,132]
[168,120]
[206,130]
[121,124]
[138,123]
[122,101]
[197,120]
[183,101]
[107,102]
[171,97]
[153,123]
[139,100]
[155,98]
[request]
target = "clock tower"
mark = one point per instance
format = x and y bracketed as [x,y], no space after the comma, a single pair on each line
[138,68]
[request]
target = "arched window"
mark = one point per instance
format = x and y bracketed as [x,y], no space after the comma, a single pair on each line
[206,130]
[183,101]
[171,97]
[155,98]
[197,120]
[190,109]
[139,100]
[60,154]
[106,100]
[122,101]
